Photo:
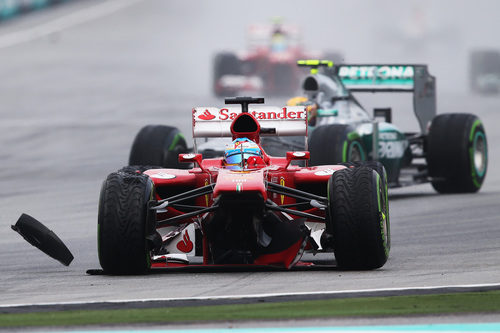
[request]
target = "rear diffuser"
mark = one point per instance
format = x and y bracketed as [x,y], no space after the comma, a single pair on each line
[43,238]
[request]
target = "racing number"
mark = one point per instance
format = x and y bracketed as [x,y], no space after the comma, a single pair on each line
[391,149]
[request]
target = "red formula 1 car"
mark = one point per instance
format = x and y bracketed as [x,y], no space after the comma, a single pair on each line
[245,208]
[268,65]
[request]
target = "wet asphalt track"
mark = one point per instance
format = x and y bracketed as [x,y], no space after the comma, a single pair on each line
[70,105]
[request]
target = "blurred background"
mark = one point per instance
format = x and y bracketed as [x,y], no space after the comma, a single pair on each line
[90,74]
[81,77]
[138,52]
[187,34]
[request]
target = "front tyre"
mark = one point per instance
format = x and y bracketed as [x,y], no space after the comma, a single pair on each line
[457,153]
[380,169]
[123,224]
[358,218]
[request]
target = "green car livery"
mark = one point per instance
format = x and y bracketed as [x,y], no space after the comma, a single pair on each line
[450,150]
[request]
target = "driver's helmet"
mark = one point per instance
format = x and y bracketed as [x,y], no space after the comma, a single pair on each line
[238,153]
[279,38]
[310,107]
[298,100]
[279,42]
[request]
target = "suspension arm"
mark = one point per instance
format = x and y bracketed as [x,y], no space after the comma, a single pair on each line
[172,221]
[207,189]
[272,206]
[294,193]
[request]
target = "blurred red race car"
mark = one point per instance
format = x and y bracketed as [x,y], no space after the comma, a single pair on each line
[245,208]
[268,66]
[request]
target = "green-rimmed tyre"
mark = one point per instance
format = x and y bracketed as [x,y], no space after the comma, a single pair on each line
[379,167]
[337,143]
[123,223]
[358,218]
[158,145]
[457,153]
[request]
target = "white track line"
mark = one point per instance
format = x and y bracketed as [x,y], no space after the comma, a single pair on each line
[65,22]
[269,295]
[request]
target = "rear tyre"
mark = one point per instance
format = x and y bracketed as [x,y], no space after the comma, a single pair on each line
[158,145]
[283,82]
[123,225]
[358,218]
[225,64]
[484,64]
[332,144]
[457,153]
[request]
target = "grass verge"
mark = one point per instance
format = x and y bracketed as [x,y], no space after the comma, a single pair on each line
[476,302]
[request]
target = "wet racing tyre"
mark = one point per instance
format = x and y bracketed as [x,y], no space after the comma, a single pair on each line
[375,165]
[457,153]
[137,169]
[225,63]
[123,225]
[158,145]
[484,69]
[358,218]
[332,144]
[380,169]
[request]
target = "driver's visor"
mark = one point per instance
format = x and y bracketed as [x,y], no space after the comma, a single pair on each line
[235,156]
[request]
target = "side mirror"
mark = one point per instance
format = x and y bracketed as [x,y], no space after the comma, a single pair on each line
[296,156]
[191,158]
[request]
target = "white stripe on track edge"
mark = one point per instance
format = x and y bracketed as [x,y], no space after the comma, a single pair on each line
[268,295]
[57,25]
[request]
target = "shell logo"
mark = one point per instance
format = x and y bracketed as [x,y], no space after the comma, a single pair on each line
[206,195]
[282,183]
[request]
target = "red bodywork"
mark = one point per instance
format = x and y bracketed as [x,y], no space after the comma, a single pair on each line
[266,72]
[269,65]
[240,201]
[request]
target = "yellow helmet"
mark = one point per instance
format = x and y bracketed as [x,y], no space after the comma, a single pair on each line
[298,100]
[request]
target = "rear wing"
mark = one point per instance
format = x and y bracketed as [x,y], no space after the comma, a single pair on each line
[394,78]
[210,122]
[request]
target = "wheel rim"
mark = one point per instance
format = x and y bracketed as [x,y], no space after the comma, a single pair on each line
[355,153]
[383,214]
[382,206]
[479,154]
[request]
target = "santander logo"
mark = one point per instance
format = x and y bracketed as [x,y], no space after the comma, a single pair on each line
[206,115]
[275,114]
[185,245]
